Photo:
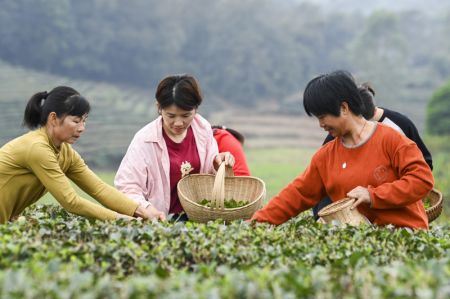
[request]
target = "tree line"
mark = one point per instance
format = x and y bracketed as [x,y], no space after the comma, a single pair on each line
[243,52]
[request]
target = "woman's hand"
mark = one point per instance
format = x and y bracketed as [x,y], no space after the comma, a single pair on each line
[150,213]
[226,157]
[153,213]
[123,216]
[361,195]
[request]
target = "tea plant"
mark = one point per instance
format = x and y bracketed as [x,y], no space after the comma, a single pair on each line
[50,253]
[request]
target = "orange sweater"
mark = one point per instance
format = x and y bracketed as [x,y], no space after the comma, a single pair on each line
[226,142]
[388,164]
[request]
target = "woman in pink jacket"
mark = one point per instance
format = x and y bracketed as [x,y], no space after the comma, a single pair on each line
[178,138]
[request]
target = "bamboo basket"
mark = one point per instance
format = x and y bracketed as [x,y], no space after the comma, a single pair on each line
[340,212]
[435,198]
[192,189]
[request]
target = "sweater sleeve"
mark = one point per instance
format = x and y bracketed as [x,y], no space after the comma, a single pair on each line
[90,183]
[414,183]
[43,163]
[302,193]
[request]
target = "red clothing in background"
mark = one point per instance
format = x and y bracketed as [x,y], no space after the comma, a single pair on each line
[389,164]
[228,143]
[179,153]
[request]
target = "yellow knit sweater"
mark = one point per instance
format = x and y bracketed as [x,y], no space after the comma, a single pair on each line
[31,165]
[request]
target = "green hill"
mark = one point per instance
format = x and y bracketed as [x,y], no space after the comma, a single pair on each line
[117,112]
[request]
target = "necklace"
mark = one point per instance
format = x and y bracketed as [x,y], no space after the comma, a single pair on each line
[344,165]
[360,132]
[358,136]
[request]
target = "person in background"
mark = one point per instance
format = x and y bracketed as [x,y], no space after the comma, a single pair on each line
[385,116]
[179,140]
[380,168]
[229,140]
[43,160]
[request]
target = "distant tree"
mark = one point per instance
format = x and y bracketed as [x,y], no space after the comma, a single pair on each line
[245,52]
[36,34]
[380,50]
[438,112]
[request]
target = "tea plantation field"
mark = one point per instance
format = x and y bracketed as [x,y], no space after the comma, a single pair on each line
[51,254]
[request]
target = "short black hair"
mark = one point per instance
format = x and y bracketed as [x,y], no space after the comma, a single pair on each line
[325,94]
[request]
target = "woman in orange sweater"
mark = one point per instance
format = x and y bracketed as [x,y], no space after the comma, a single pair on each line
[382,169]
[229,140]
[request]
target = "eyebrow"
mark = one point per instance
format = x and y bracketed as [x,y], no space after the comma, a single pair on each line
[83,117]
[174,114]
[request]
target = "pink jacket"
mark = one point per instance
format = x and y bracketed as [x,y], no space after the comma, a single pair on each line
[143,174]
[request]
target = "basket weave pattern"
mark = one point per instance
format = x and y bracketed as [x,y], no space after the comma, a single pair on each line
[192,189]
[341,213]
[435,198]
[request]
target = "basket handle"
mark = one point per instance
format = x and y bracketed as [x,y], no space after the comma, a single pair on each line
[218,191]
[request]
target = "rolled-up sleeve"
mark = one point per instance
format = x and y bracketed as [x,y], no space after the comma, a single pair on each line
[132,175]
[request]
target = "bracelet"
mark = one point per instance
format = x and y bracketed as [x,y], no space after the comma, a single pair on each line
[144,204]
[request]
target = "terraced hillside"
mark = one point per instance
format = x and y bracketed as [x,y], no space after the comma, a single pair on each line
[118,112]
[265,129]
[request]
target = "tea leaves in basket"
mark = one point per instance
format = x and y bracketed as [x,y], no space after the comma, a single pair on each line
[228,203]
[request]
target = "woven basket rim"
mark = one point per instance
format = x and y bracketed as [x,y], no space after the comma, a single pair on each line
[227,209]
[336,206]
[209,174]
[438,202]
[435,211]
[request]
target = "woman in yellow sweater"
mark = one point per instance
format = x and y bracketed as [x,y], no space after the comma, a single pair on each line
[43,160]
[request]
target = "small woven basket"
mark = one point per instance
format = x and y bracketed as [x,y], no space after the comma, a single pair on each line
[192,189]
[340,212]
[435,199]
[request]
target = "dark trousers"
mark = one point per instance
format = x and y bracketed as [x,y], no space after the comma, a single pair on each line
[182,217]
[322,204]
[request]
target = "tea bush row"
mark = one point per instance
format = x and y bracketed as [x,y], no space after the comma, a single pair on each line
[425,279]
[48,234]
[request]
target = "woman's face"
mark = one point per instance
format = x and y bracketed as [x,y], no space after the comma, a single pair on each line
[69,129]
[176,120]
[334,125]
